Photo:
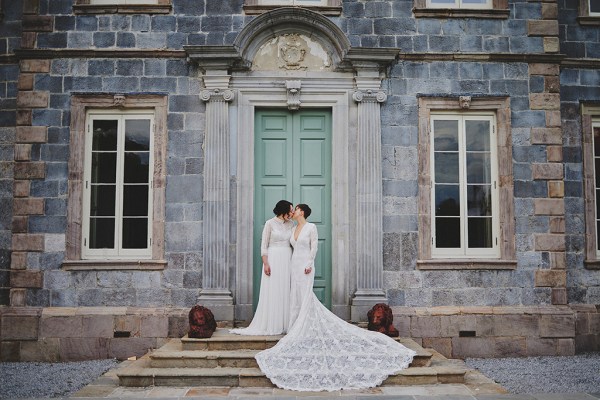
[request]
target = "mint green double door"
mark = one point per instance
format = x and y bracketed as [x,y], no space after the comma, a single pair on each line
[292,153]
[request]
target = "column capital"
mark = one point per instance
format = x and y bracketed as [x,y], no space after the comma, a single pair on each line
[217,95]
[373,96]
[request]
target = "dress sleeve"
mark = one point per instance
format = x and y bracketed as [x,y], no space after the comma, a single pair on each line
[266,236]
[314,243]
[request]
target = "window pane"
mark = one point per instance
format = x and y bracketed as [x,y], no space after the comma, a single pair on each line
[480,232]
[479,200]
[465,2]
[136,167]
[135,200]
[135,233]
[446,168]
[447,200]
[595,6]
[443,1]
[477,135]
[104,167]
[597,171]
[445,135]
[598,204]
[102,200]
[478,168]
[137,134]
[102,233]
[104,135]
[447,232]
[597,140]
[597,231]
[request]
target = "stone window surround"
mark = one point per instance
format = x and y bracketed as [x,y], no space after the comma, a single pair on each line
[499,10]
[589,114]
[501,107]
[333,7]
[79,106]
[584,17]
[84,7]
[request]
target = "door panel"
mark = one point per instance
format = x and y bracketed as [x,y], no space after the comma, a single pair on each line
[293,162]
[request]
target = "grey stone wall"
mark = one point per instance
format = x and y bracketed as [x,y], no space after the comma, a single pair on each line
[10,39]
[367,23]
[178,284]
[578,85]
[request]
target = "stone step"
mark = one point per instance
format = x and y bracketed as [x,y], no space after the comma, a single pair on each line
[142,374]
[223,340]
[171,356]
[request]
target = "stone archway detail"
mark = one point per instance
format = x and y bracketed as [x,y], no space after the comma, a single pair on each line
[292,20]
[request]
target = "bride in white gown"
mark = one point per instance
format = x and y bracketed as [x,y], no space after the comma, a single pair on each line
[272,311]
[321,351]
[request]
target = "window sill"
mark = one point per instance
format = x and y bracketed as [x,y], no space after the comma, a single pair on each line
[587,20]
[470,264]
[592,264]
[122,9]
[89,265]
[324,10]
[460,13]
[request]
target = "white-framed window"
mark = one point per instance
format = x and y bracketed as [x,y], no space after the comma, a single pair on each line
[594,7]
[596,175]
[467,4]
[302,3]
[117,186]
[464,187]
[128,2]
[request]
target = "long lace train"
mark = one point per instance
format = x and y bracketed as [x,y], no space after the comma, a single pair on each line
[323,352]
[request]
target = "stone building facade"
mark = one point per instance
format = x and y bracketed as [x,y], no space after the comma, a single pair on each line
[457,166]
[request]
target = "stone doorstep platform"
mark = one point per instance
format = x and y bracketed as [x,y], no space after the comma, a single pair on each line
[228,360]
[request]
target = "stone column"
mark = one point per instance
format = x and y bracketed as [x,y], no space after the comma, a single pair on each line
[369,208]
[215,293]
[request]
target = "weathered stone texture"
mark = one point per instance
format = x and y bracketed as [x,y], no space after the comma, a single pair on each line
[550,278]
[546,136]
[31,99]
[32,134]
[549,206]
[557,326]
[26,279]
[28,242]
[542,28]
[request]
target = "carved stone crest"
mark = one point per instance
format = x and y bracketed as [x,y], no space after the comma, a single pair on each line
[291,52]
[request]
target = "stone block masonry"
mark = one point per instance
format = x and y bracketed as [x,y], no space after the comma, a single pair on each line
[84,333]
[460,332]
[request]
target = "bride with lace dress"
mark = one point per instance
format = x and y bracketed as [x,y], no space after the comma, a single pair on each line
[272,312]
[320,350]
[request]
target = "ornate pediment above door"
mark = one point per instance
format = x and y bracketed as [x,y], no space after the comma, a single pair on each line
[291,39]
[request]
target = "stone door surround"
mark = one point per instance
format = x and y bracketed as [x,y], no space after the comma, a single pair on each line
[348,81]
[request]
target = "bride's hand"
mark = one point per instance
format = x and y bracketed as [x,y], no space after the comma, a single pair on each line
[267,269]
[307,270]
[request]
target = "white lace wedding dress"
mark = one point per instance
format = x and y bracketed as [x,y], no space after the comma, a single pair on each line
[272,312]
[321,351]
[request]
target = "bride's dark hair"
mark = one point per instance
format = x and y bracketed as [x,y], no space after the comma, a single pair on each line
[305,208]
[282,207]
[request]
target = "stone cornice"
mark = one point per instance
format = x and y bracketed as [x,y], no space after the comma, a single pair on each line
[215,57]
[483,57]
[103,53]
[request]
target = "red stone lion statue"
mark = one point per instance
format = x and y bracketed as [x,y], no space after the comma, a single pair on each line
[202,323]
[380,320]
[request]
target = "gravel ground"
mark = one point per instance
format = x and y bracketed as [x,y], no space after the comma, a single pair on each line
[32,379]
[575,374]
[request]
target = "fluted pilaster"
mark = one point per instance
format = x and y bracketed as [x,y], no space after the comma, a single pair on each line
[215,278]
[369,208]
